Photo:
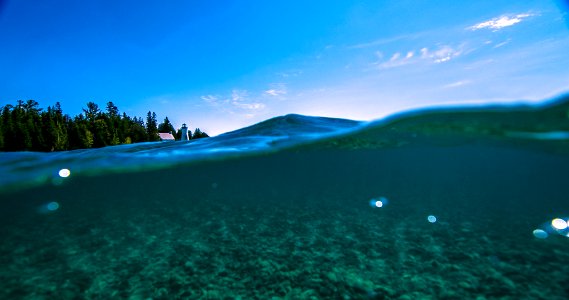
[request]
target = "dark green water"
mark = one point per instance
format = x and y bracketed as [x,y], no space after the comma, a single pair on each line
[296,222]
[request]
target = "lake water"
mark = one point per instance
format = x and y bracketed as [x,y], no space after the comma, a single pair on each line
[463,203]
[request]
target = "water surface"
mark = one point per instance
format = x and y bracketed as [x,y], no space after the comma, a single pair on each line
[288,209]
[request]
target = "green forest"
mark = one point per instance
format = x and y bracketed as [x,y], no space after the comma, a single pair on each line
[27,127]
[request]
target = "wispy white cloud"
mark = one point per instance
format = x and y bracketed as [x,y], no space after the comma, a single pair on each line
[440,54]
[249,106]
[502,43]
[210,99]
[501,22]
[240,99]
[379,54]
[457,84]
[238,102]
[276,90]
[239,95]
[272,92]
[395,57]
[290,73]
[384,41]
[396,60]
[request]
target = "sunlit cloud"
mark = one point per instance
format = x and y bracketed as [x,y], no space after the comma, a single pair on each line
[500,22]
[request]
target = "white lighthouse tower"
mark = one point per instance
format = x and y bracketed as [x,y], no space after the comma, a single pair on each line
[184,132]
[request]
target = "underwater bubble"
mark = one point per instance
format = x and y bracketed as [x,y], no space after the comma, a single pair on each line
[540,234]
[64,173]
[431,219]
[52,206]
[378,202]
[559,224]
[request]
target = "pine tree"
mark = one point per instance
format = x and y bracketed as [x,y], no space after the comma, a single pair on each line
[166,127]
[7,127]
[113,120]
[198,134]
[112,110]
[21,136]
[151,127]
[48,130]
[60,128]
[91,112]
[138,131]
[101,134]
[1,130]
[26,127]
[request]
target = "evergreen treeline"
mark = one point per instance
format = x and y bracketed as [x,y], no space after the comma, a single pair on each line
[26,127]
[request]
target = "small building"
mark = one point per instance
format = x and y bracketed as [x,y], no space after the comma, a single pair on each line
[166,136]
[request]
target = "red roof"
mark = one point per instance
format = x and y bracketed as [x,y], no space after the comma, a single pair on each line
[166,136]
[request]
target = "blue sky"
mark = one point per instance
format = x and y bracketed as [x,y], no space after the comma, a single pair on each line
[222,65]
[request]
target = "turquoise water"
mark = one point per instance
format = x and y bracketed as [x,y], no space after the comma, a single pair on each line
[464,203]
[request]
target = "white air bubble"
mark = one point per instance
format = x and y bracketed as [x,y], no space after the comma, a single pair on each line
[52,206]
[559,224]
[64,173]
[540,234]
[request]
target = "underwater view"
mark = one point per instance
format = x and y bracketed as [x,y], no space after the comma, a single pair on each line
[276,150]
[441,203]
